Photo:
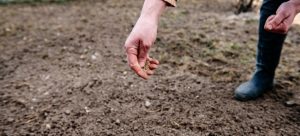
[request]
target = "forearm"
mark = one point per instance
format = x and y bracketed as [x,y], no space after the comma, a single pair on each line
[296,3]
[153,9]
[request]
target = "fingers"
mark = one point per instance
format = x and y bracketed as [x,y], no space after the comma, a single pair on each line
[133,62]
[135,65]
[154,61]
[150,72]
[275,22]
[138,70]
[280,22]
[137,57]
[278,19]
[153,66]
[272,25]
[268,25]
[143,54]
[281,28]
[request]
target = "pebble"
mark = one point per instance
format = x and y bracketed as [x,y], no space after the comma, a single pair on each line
[135,127]
[118,121]
[67,112]
[147,103]
[10,120]
[94,57]
[7,29]
[82,57]
[290,103]
[48,126]
[46,77]
[87,109]
[99,120]
[69,91]
[34,99]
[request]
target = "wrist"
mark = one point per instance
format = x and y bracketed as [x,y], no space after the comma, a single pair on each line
[296,4]
[152,9]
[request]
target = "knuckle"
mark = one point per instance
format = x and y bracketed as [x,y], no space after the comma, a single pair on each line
[132,66]
[129,49]
[143,58]
[125,47]
[147,45]
[284,14]
[284,29]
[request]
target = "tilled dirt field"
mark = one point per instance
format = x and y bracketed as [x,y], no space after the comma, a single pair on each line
[63,72]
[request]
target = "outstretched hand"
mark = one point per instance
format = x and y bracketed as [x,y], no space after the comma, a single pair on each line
[282,21]
[137,47]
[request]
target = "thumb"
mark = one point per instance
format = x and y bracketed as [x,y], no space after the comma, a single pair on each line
[269,26]
[143,54]
[278,18]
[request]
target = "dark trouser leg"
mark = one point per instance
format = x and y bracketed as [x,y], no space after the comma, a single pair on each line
[268,55]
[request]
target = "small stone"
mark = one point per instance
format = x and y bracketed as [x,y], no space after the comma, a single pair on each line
[87,109]
[34,99]
[94,57]
[135,128]
[99,120]
[10,119]
[96,54]
[290,103]
[46,114]
[46,40]
[48,126]
[46,93]
[118,121]
[7,29]
[201,116]
[82,56]
[67,112]
[69,91]
[147,103]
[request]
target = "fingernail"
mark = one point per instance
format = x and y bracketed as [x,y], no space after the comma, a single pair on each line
[146,77]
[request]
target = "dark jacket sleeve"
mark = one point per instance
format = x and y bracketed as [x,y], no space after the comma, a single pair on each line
[171,2]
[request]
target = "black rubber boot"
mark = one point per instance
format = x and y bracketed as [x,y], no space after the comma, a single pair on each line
[267,58]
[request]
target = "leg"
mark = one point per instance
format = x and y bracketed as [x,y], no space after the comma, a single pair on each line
[268,55]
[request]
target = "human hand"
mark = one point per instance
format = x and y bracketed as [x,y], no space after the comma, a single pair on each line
[138,44]
[282,21]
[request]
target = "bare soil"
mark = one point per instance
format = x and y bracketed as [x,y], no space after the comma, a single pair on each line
[63,71]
